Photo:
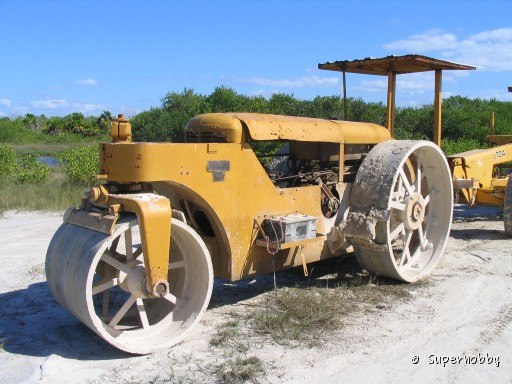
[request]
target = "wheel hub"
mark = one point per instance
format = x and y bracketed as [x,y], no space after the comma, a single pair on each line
[414,211]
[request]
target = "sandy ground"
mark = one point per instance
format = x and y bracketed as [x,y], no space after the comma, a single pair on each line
[458,325]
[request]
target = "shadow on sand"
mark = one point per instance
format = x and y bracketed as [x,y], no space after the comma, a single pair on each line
[34,324]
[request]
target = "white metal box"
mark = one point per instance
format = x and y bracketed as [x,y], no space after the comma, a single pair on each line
[289,228]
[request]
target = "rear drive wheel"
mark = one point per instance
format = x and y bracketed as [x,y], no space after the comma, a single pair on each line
[401,209]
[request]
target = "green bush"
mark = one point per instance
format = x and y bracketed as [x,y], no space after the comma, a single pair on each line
[80,164]
[30,170]
[451,147]
[8,164]
[14,132]
[25,170]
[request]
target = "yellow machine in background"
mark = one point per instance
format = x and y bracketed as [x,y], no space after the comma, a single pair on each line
[136,261]
[480,176]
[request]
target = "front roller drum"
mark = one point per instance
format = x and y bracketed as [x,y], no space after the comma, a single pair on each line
[101,280]
[401,209]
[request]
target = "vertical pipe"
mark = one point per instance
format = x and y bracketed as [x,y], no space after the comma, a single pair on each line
[491,124]
[390,115]
[438,107]
[345,112]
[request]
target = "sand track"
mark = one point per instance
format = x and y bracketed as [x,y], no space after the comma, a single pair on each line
[464,313]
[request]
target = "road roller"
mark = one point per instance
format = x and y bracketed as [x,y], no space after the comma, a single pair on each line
[243,195]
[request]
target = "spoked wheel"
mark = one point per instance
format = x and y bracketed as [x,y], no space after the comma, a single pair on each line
[401,209]
[98,278]
[507,208]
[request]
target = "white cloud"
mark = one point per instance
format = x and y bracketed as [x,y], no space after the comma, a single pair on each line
[50,104]
[308,81]
[65,106]
[88,81]
[86,108]
[501,34]
[414,83]
[432,40]
[498,94]
[5,103]
[489,50]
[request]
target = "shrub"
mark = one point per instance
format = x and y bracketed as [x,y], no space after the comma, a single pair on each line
[451,147]
[32,171]
[8,162]
[80,164]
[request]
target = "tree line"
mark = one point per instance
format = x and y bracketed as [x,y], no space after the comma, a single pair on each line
[32,129]
[463,118]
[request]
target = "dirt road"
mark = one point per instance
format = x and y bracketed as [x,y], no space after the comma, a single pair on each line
[455,328]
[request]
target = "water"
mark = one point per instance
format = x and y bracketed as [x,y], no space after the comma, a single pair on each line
[49,160]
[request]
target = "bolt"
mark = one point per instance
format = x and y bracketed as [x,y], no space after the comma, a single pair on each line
[426,246]
[416,211]
[160,289]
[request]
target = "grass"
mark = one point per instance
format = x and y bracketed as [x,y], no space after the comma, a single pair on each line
[225,334]
[305,314]
[36,271]
[296,315]
[313,313]
[56,194]
[240,370]
[47,149]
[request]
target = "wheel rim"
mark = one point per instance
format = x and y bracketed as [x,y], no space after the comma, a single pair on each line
[414,192]
[108,292]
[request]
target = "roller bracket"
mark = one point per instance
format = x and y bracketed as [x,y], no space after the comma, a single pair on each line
[154,214]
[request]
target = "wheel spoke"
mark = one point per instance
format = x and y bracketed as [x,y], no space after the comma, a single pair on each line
[414,256]
[107,258]
[418,177]
[397,205]
[122,311]
[406,254]
[177,264]
[398,230]
[421,235]
[171,298]
[115,242]
[406,183]
[142,313]
[137,252]
[105,302]
[103,285]
[128,243]
[400,193]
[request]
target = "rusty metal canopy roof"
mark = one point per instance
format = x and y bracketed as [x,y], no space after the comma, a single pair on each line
[397,64]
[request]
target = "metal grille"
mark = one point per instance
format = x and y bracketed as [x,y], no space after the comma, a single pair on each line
[205,137]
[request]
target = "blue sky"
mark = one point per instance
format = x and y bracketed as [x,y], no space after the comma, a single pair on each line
[59,57]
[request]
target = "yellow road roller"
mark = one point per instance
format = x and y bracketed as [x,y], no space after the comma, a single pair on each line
[136,261]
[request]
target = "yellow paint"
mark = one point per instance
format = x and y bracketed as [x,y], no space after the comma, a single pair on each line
[224,190]
[154,217]
[479,165]
[121,130]
[239,126]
